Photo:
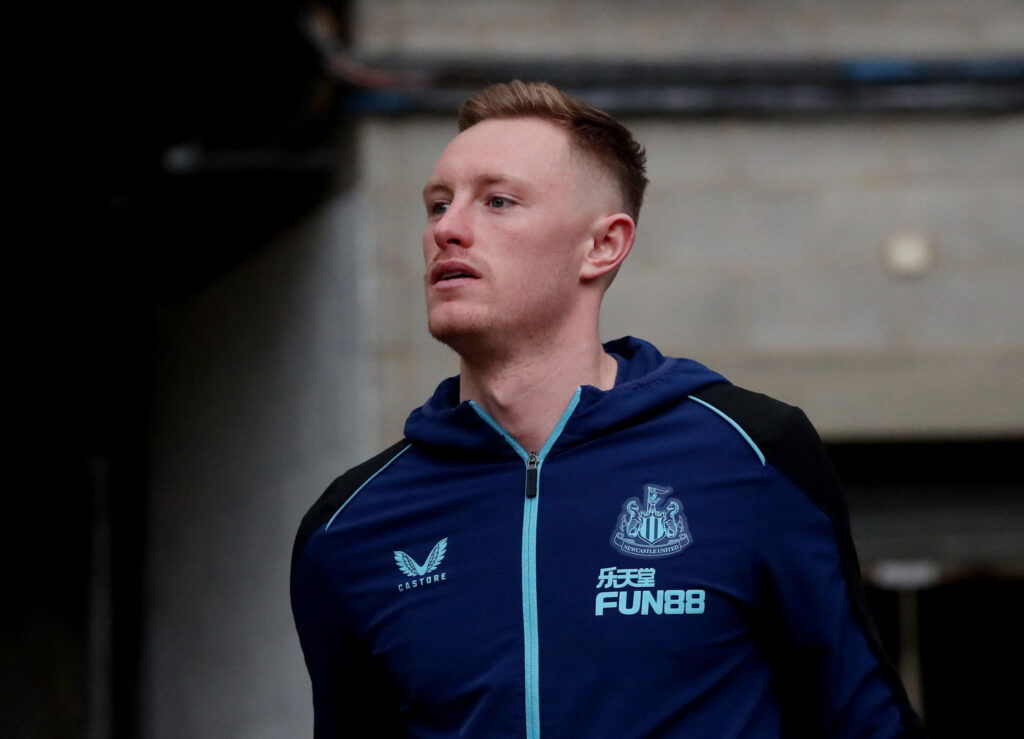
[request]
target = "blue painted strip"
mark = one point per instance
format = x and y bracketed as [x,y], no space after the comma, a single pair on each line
[893,70]
[735,425]
[528,564]
[368,479]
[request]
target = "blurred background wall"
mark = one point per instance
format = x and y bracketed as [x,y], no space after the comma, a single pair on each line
[835,217]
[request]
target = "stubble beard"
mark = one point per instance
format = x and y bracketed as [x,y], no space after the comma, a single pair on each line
[469,336]
[492,336]
[507,320]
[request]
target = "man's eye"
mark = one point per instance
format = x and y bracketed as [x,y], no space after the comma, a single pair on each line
[498,201]
[437,209]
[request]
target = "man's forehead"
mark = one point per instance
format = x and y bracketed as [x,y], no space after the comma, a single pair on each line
[522,129]
[500,148]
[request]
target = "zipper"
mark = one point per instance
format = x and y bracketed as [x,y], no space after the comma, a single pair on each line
[532,464]
[528,553]
[528,567]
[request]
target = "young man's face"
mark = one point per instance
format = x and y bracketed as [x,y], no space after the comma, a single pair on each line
[510,212]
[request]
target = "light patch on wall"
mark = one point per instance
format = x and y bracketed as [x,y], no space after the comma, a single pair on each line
[909,254]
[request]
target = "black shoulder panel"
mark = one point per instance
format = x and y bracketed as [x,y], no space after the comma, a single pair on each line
[338,492]
[790,444]
[787,440]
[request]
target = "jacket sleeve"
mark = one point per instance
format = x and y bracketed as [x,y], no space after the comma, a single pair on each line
[833,676]
[831,672]
[352,694]
[352,697]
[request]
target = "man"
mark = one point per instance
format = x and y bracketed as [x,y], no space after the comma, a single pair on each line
[577,540]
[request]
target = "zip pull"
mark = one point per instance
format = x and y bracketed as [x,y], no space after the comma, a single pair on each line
[531,476]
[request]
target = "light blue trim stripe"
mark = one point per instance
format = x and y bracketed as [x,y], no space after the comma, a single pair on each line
[528,568]
[368,479]
[531,644]
[559,427]
[497,427]
[528,564]
[735,425]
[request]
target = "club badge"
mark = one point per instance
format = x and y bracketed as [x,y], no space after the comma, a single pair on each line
[656,528]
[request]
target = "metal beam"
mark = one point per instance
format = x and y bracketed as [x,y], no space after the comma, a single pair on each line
[432,85]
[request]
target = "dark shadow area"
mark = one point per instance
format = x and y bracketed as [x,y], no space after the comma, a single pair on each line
[186,137]
[970,647]
[948,516]
[969,639]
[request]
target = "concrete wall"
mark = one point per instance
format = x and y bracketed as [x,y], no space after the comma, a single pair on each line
[761,252]
[713,28]
[262,400]
[762,244]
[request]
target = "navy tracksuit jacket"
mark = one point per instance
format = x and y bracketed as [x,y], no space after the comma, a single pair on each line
[676,561]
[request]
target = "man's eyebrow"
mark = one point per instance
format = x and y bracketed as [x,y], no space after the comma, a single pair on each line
[483,178]
[496,178]
[434,187]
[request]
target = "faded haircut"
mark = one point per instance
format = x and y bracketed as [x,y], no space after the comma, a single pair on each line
[591,131]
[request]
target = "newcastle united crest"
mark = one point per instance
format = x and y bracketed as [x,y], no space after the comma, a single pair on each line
[655,527]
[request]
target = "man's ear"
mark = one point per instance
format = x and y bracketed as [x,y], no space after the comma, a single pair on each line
[611,241]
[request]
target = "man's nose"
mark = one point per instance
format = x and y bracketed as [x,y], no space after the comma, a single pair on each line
[453,228]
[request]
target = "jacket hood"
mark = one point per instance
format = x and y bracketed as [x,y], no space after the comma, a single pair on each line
[646,383]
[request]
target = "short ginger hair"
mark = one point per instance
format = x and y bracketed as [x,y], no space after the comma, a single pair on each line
[591,131]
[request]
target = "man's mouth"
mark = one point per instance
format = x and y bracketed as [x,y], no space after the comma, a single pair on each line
[452,270]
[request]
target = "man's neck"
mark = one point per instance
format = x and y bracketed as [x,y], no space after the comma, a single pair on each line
[527,390]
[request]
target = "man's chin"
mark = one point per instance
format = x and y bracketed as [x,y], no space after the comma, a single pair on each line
[463,334]
[454,333]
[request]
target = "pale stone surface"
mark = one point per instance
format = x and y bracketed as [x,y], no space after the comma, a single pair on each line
[762,242]
[397,158]
[886,396]
[665,29]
